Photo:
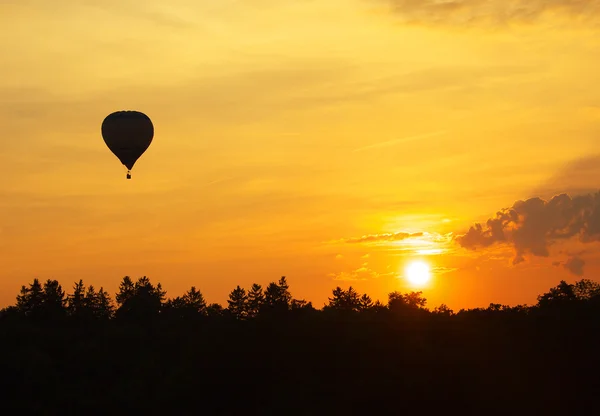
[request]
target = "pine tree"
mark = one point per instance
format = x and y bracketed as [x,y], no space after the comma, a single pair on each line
[77,303]
[238,303]
[141,300]
[54,299]
[285,297]
[194,300]
[256,299]
[278,296]
[104,307]
[192,304]
[126,291]
[30,300]
[346,300]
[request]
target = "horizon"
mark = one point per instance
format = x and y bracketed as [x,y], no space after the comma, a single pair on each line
[581,291]
[334,143]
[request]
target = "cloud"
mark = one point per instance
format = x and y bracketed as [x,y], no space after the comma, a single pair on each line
[440,78]
[339,256]
[573,264]
[533,225]
[152,12]
[374,238]
[400,140]
[466,12]
[439,238]
[212,98]
[360,274]
[438,270]
[425,243]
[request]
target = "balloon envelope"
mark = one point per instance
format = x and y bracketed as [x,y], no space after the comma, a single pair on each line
[127,134]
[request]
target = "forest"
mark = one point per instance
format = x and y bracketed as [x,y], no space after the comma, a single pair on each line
[268,353]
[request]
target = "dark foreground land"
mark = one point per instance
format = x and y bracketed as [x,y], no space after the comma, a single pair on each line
[270,354]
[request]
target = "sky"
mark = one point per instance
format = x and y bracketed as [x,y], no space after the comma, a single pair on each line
[332,142]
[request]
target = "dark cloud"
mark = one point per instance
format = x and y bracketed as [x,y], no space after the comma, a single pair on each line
[533,225]
[491,11]
[575,265]
[382,237]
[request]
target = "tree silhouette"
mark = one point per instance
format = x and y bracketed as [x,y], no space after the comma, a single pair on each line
[338,300]
[99,303]
[77,302]
[408,301]
[54,298]
[238,303]
[443,309]
[558,296]
[586,289]
[256,299]
[139,301]
[494,307]
[191,305]
[365,302]
[45,302]
[194,300]
[126,291]
[300,304]
[277,296]
[31,299]
[214,310]
[432,362]
[347,300]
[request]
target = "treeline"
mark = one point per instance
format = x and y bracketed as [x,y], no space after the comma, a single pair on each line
[268,353]
[141,300]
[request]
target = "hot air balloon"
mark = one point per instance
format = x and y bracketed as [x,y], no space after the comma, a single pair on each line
[127,134]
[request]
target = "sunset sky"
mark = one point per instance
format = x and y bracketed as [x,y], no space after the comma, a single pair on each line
[330,141]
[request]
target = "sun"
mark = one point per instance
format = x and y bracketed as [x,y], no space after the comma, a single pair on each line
[417,273]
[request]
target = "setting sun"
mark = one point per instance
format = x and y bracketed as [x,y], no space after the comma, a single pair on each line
[417,273]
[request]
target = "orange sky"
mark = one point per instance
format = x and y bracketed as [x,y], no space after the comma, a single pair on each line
[287,130]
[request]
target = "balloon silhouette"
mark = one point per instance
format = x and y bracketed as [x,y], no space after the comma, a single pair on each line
[128,135]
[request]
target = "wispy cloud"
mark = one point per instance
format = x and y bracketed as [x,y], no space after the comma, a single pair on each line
[400,141]
[360,274]
[491,11]
[428,244]
[153,12]
[439,270]
[374,238]
[216,181]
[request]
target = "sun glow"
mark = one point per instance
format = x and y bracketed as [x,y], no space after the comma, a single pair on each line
[417,273]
